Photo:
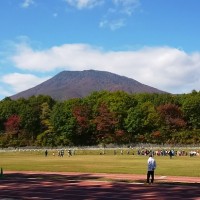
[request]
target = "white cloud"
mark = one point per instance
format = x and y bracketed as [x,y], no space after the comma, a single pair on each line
[115,14]
[27,3]
[165,68]
[113,25]
[19,82]
[126,6]
[118,13]
[84,4]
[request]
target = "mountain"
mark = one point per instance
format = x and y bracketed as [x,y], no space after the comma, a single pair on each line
[77,84]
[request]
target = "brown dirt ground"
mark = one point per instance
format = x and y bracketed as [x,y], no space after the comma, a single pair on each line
[95,186]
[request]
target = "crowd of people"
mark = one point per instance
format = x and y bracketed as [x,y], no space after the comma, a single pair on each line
[165,152]
[131,151]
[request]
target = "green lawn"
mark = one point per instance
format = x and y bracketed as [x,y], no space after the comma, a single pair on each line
[91,162]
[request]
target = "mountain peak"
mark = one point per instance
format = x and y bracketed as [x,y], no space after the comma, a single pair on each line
[77,84]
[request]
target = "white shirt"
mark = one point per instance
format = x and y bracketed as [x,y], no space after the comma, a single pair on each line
[151,164]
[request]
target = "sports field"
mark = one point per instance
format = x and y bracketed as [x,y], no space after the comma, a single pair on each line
[92,161]
[90,175]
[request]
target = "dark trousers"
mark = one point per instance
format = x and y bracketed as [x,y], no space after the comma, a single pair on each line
[150,174]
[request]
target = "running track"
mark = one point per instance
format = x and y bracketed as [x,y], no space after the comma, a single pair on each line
[85,186]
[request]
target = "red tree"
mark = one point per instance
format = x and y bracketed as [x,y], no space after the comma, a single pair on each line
[81,113]
[12,125]
[172,116]
[105,124]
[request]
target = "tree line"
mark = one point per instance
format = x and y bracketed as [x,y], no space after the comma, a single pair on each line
[101,118]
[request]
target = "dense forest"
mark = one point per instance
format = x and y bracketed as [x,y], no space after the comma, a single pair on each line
[101,118]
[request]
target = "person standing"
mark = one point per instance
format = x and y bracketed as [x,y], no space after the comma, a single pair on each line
[170,154]
[151,164]
[46,153]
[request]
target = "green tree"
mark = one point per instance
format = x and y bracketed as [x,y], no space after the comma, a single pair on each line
[63,122]
[191,110]
[30,121]
[120,102]
[7,108]
[141,120]
[47,135]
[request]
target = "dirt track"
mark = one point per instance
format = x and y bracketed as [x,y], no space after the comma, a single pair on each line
[43,185]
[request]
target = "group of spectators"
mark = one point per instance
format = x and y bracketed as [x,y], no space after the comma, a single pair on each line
[131,151]
[164,152]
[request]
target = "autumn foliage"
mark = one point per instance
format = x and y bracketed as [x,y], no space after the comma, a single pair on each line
[101,118]
[12,125]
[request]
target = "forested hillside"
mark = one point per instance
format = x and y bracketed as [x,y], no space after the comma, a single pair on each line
[101,118]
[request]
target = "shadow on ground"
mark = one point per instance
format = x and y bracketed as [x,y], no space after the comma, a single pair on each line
[88,186]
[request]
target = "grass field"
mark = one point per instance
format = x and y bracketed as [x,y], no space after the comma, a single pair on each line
[91,161]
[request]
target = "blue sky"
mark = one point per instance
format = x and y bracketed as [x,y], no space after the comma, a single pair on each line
[154,42]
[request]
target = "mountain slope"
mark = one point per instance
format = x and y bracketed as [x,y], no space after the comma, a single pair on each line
[77,84]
